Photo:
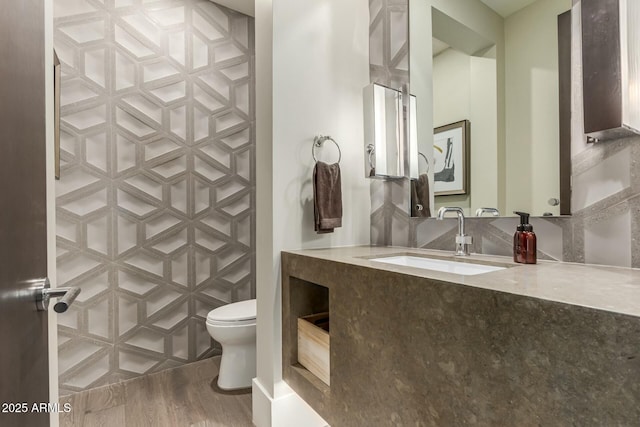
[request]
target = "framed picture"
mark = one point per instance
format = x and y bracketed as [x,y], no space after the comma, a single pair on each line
[451,158]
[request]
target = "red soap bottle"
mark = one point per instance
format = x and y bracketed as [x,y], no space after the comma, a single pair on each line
[524,241]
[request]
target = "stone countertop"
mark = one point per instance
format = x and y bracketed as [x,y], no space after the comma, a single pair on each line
[612,289]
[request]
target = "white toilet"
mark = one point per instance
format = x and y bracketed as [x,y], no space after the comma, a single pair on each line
[234,327]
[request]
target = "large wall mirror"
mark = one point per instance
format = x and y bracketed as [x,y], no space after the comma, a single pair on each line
[486,77]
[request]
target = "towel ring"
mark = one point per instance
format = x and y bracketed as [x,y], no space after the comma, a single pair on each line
[318,141]
[371,151]
[425,159]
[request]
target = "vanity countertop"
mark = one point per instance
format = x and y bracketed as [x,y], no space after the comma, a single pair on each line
[546,344]
[614,289]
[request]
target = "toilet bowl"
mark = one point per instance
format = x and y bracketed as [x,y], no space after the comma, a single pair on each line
[234,327]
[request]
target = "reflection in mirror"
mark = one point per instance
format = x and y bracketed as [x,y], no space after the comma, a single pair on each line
[383,132]
[497,70]
[418,162]
[451,159]
[419,168]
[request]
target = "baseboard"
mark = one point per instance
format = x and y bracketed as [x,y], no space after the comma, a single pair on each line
[286,410]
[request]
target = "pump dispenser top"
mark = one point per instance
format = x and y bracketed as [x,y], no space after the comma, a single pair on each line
[524,221]
[524,241]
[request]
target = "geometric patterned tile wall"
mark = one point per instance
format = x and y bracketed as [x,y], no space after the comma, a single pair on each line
[156,205]
[389,42]
[606,203]
[389,65]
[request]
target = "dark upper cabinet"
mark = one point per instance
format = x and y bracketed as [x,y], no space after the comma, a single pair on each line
[611,68]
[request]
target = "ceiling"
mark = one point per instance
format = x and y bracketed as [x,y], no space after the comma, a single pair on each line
[243,6]
[505,8]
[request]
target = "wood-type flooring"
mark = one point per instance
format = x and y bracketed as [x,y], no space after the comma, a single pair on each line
[186,396]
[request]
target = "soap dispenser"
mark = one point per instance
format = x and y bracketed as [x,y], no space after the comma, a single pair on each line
[524,241]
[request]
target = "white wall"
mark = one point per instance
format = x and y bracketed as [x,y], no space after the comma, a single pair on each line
[465,88]
[484,133]
[452,103]
[313,86]
[451,87]
[531,49]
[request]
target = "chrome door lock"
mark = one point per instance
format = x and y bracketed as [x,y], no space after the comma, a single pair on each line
[44,293]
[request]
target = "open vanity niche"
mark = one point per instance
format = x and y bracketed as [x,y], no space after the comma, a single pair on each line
[305,302]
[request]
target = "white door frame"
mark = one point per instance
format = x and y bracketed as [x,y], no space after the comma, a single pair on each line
[51,207]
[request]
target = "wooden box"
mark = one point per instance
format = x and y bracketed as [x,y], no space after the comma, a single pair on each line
[313,344]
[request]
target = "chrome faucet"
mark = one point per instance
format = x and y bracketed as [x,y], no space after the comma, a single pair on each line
[462,241]
[492,211]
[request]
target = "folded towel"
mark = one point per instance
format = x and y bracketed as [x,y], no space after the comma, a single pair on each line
[420,196]
[327,197]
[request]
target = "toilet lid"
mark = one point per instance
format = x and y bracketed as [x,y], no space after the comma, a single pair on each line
[243,310]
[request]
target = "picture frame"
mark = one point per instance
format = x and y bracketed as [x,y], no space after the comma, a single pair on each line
[451,160]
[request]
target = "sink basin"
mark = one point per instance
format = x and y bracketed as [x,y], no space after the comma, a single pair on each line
[463,268]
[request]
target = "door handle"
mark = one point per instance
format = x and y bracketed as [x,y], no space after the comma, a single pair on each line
[44,293]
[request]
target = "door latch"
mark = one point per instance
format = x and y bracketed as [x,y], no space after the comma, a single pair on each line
[44,293]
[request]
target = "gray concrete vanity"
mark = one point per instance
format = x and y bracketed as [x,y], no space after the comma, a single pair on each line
[552,344]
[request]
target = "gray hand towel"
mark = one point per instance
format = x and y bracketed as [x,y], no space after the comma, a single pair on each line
[327,197]
[420,195]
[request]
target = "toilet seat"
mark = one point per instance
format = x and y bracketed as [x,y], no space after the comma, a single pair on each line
[247,322]
[236,314]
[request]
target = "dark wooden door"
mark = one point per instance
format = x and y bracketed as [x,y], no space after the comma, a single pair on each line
[24,371]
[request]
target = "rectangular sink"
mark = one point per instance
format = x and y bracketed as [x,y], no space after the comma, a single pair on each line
[463,268]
